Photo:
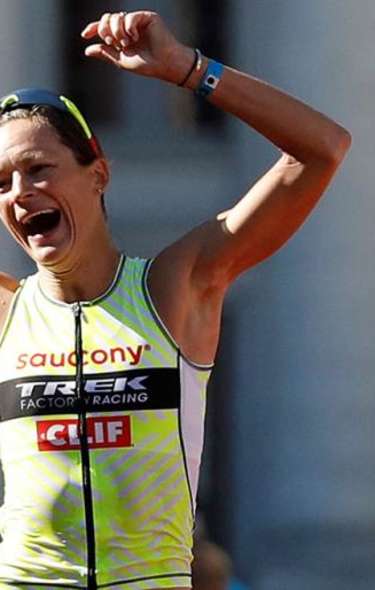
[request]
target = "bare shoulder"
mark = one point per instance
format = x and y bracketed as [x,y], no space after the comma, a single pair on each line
[188,300]
[8,286]
[8,283]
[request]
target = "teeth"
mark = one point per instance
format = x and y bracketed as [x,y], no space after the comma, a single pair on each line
[32,215]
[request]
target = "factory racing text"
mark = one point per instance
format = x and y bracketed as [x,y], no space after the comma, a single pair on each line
[60,395]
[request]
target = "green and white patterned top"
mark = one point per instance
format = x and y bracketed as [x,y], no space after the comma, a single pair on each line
[145,407]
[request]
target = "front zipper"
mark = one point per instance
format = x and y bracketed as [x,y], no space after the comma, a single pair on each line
[84,448]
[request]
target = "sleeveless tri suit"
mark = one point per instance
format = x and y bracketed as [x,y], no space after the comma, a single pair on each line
[101,437]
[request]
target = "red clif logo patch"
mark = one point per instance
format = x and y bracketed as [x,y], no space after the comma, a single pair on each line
[102,433]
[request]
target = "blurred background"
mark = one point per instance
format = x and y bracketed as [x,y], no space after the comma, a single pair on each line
[288,478]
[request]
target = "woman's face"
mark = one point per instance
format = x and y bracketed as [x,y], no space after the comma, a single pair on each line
[48,201]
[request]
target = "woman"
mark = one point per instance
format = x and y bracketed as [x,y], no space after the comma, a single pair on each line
[104,358]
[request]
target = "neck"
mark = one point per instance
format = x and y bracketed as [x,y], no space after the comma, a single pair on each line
[86,280]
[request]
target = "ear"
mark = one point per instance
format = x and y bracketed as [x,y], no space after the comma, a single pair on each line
[101,175]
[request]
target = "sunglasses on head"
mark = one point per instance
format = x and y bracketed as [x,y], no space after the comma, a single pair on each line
[29,97]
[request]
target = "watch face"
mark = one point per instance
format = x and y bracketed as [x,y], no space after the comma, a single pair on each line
[212,81]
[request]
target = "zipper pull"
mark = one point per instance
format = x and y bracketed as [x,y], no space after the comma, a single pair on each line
[76,308]
[79,312]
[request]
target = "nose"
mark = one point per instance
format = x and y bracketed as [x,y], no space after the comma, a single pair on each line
[21,188]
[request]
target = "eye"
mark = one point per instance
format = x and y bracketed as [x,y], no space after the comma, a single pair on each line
[4,184]
[36,169]
[38,172]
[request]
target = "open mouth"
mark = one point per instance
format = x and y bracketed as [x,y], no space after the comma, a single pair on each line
[42,222]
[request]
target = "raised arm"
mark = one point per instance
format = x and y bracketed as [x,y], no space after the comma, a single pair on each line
[312,144]
[202,264]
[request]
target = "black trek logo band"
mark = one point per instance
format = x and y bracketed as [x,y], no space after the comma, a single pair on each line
[136,389]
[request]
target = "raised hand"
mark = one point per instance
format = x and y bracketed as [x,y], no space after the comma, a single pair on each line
[139,42]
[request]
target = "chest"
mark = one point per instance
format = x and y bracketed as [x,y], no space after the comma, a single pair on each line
[120,365]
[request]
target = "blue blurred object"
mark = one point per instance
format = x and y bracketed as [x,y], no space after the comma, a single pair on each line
[237,585]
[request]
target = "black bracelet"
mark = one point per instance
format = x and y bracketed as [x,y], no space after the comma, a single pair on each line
[195,62]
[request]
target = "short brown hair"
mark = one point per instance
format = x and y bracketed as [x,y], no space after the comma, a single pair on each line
[67,128]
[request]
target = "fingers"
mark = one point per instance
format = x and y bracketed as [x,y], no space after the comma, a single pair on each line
[119,29]
[90,31]
[134,21]
[104,29]
[103,52]
[103,26]
[110,28]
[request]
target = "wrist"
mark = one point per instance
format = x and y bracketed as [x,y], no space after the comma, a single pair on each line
[195,66]
[196,76]
[179,63]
